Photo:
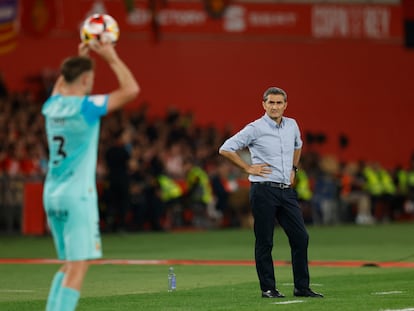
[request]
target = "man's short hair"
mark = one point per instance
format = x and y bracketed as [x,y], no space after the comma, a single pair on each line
[274,91]
[73,67]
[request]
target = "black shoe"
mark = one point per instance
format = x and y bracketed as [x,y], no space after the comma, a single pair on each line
[307,292]
[272,293]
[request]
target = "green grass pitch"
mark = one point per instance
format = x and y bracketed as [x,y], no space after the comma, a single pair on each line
[126,287]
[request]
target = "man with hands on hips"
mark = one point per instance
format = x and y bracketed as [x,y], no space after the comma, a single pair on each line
[275,146]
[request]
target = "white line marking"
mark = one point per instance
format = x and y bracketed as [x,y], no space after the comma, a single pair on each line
[388,293]
[407,309]
[286,302]
[291,284]
[137,292]
[16,291]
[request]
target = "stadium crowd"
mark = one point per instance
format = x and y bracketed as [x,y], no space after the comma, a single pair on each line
[165,173]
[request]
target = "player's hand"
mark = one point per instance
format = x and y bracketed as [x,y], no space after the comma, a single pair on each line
[259,169]
[83,49]
[104,49]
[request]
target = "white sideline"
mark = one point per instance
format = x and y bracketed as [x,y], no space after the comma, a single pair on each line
[388,293]
[286,302]
[16,291]
[291,284]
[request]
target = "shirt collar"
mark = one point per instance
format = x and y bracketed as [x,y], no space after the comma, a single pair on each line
[272,123]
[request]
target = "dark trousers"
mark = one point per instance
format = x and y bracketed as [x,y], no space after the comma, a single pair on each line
[268,205]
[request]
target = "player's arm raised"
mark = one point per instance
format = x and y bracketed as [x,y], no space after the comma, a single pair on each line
[128,87]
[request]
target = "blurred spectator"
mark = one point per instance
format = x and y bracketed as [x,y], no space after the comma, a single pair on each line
[199,195]
[409,203]
[222,186]
[166,195]
[372,185]
[404,180]
[141,192]
[117,192]
[13,183]
[388,196]
[354,197]
[173,159]
[230,197]
[325,199]
[304,192]
[382,189]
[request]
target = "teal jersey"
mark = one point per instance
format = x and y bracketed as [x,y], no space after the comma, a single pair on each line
[72,128]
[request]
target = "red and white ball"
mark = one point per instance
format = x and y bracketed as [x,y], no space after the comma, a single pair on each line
[99,27]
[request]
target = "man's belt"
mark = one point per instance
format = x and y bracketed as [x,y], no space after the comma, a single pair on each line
[272,184]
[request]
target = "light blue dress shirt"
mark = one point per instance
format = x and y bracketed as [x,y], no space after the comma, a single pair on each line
[268,143]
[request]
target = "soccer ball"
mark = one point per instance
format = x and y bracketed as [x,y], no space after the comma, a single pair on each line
[100,27]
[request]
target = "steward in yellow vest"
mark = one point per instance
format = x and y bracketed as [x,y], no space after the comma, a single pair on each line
[302,186]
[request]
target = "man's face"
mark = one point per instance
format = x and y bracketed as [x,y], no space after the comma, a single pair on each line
[275,106]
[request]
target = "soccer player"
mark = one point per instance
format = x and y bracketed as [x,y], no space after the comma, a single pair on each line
[70,198]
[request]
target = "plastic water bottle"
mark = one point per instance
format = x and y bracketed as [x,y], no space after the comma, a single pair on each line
[172,284]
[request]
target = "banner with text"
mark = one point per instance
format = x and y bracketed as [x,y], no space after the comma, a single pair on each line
[321,21]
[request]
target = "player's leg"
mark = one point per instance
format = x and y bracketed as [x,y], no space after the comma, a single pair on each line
[263,210]
[69,294]
[66,285]
[291,220]
[56,226]
[54,291]
[75,272]
[82,242]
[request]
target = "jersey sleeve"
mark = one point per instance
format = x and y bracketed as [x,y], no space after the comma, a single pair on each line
[94,107]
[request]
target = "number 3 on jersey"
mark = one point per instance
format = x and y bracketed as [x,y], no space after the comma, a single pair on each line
[60,140]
